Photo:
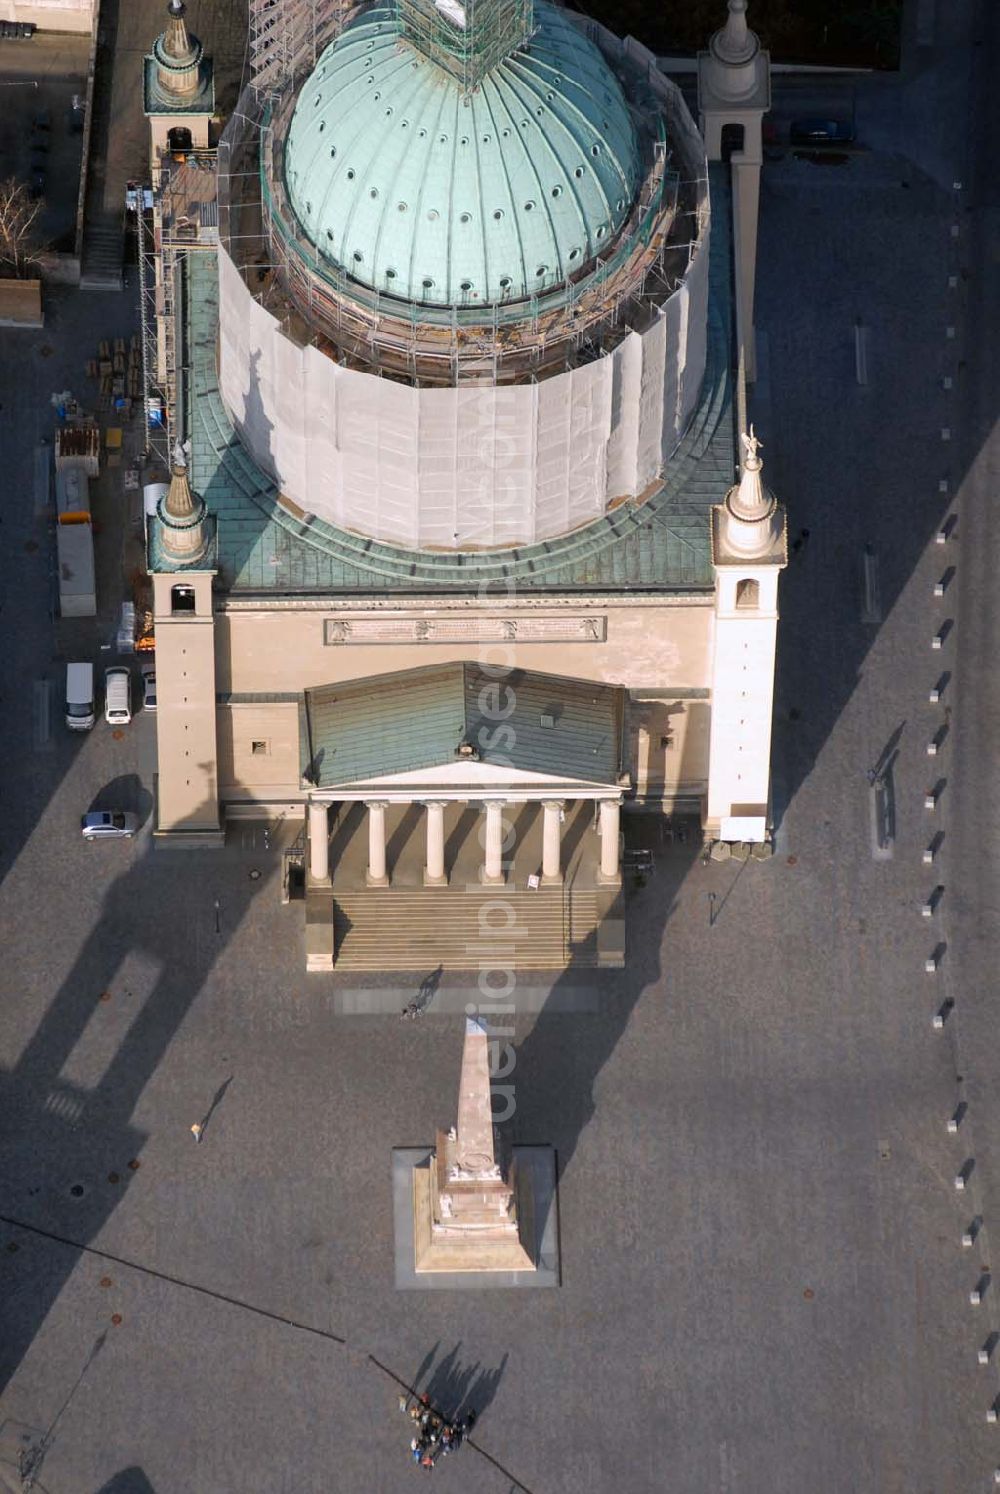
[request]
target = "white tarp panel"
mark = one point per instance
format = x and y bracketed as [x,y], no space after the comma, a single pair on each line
[673,323]
[623,444]
[649,444]
[692,336]
[467,466]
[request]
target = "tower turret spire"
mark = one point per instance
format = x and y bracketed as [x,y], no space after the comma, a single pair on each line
[751,510]
[178,55]
[181,514]
[735,43]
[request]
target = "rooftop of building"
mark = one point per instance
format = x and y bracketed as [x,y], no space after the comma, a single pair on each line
[661,544]
[439,714]
[442,195]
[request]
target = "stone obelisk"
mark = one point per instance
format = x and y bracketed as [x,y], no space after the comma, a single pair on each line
[469,1212]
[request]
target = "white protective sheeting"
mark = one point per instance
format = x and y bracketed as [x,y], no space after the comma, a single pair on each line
[483,465]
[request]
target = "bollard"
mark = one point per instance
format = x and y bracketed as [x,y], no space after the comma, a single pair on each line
[952,1125]
[938,1021]
[983,1355]
[939,588]
[937,641]
[930,964]
[960,1182]
[968,1239]
[975,1297]
[928,856]
[932,748]
[927,910]
[991,1414]
[930,800]
[934,695]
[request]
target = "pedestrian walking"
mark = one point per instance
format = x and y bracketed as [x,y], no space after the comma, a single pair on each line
[197,1131]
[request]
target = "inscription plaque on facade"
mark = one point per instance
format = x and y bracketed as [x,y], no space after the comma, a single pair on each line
[534,628]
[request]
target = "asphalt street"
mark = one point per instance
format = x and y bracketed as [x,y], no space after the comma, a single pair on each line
[763,1287]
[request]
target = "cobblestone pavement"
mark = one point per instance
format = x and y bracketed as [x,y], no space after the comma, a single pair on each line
[763,1287]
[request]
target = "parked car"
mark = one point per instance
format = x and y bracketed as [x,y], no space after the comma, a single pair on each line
[821,132]
[109,824]
[80,696]
[149,688]
[117,696]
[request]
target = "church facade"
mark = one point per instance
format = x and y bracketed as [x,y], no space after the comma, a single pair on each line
[462,526]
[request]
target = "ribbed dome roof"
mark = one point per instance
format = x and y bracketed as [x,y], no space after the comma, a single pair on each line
[447,198]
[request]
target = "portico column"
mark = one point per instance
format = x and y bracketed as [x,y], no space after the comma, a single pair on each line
[610,873]
[376,843]
[434,872]
[493,866]
[551,837]
[319,842]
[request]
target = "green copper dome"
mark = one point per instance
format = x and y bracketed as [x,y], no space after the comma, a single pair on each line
[424,191]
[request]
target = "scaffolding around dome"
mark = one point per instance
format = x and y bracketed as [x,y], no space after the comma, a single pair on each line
[466,38]
[286,37]
[319,303]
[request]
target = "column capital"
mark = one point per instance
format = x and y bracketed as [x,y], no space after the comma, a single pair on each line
[553,803]
[376,803]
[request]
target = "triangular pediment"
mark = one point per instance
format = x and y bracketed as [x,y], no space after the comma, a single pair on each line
[461,725]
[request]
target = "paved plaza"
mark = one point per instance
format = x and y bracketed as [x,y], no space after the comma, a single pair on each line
[763,1287]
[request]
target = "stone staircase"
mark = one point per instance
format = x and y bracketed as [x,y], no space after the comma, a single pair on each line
[417,929]
[103,249]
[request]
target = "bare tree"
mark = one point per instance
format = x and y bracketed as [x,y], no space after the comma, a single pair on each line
[20,246]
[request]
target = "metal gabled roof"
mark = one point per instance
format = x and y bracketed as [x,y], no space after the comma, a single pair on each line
[360,730]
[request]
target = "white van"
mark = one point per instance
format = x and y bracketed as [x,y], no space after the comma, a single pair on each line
[117,696]
[80,696]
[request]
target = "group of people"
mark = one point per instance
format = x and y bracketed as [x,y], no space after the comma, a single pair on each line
[434,1435]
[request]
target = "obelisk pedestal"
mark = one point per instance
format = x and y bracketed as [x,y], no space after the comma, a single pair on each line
[463,1218]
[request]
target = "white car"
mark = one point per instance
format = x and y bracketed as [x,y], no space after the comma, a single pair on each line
[149,689]
[109,824]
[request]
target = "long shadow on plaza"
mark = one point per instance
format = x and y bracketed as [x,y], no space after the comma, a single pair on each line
[69,1151]
[559,1062]
[877,465]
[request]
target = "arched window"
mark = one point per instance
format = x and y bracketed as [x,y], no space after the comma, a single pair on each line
[748,593]
[182,599]
[731,140]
